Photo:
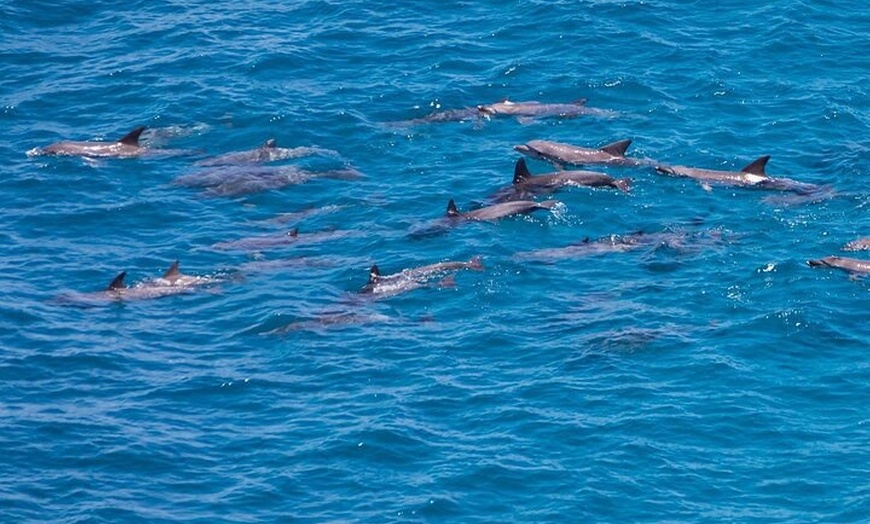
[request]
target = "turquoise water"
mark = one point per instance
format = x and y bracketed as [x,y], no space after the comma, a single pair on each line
[710,377]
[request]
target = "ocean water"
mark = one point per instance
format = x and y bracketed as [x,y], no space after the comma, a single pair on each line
[711,376]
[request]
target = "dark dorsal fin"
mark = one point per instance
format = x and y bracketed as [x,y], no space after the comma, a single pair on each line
[172,272]
[270,144]
[132,138]
[521,171]
[757,167]
[579,102]
[293,233]
[451,209]
[118,282]
[617,148]
[374,274]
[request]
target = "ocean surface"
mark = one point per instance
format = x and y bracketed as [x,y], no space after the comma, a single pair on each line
[709,375]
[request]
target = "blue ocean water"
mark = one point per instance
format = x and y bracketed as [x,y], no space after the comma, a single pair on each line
[712,377]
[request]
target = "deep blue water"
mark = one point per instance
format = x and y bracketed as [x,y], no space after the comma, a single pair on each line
[713,378]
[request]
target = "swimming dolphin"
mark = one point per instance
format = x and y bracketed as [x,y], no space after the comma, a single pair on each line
[413,278]
[293,236]
[497,211]
[561,154]
[515,109]
[537,109]
[525,181]
[860,244]
[126,147]
[674,240]
[234,180]
[268,152]
[751,176]
[852,265]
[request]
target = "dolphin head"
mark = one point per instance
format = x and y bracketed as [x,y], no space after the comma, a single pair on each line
[530,151]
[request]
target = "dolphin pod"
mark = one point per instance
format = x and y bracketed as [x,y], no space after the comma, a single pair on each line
[242,172]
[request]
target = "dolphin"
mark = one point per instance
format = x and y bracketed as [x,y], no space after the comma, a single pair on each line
[293,236]
[751,176]
[235,180]
[861,244]
[515,109]
[413,278]
[852,265]
[560,153]
[125,147]
[497,211]
[526,182]
[674,240]
[538,109]
[268,152]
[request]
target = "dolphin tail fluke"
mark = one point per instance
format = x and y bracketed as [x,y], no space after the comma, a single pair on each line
[757,166]
[172,272]
[452,211]
[617,148]
[118,282]
[521,171]
[132,138]
[547,204]
[623,184]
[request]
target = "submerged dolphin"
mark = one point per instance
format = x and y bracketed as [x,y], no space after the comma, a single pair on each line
[751,176]
[268,152]
[560,153]
[852,265]
[860,244]
[293,236]
[497,211]
[234,180]
[524,181]
[674,240]
[515,109]
[413,278]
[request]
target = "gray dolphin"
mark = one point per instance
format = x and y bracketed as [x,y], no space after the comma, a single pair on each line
[413,278]
[538,109]
[497,211]
[293,236]
[560,153]
[525,181]
[234,180]
[671,239]
[515,109]
[268,152]
[861,244]
[126,147]
[751,176]
[852,265]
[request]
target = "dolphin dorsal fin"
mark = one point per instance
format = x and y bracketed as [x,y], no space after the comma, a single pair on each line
[118,282]
[452,211]
[757,167]
[172,272]
[579,102]
[270,144]
[132,138]
[521,171]
[374,274]
[617,148]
